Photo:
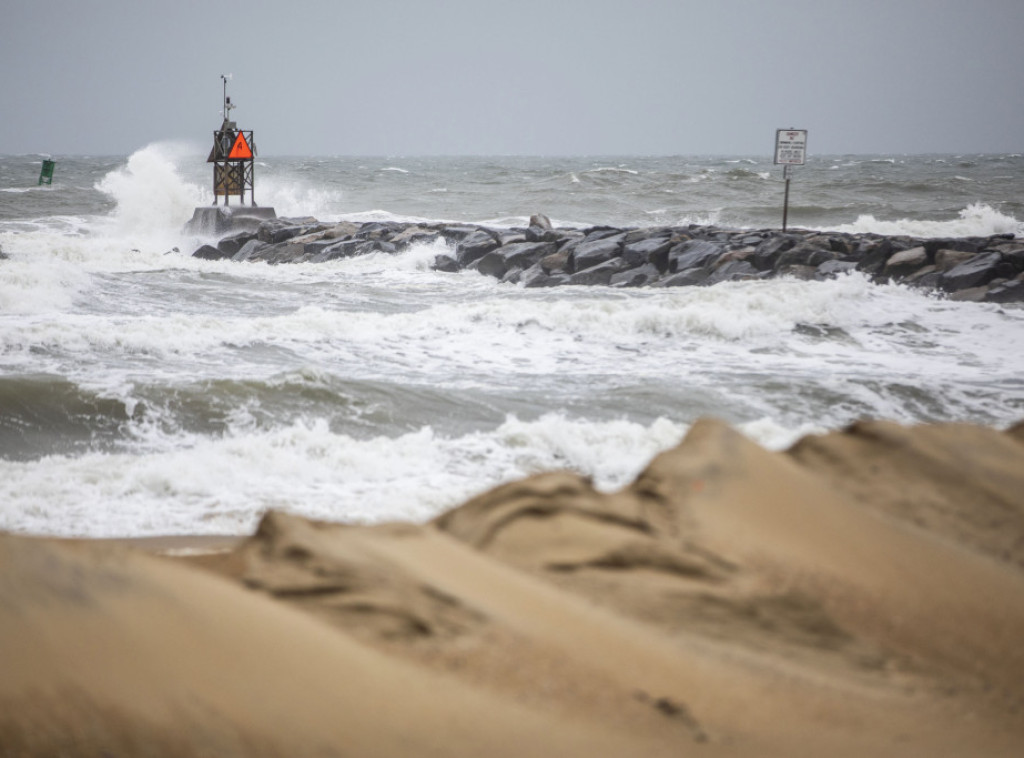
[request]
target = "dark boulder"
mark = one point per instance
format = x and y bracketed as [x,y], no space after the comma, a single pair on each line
[597,275]
[736,254]
[474,246]
[734,271]
[378,246]
[341,230]
[905,262]
[961,244]
[249,249]
[282,229]
[540,221]
[947,258]
[832,269]
[805,253]
[351,249]
[1005,269]
[520,255]
[1007,292]
[557,262]
[1014,256]
[767,252]
[748,240]
[272,233]
[537,234]
[414,236]
[282,252]
[446,263]
[647,232]
[874,254]
[595,233]
[590,253]
[694,254]
[457,232]
[841,245]
[211,253]
[647,250]
[315,247]
[512,276]
[540,229]
[688,278]
[536,276]
[642,276]
[979,270]
[233,243]
[571,237]
[508,236]
[375,230]
[336,249]
[924,278]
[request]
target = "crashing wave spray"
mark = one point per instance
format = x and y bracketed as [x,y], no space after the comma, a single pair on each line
[152,198]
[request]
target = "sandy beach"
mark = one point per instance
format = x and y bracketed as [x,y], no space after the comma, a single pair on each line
[859,594]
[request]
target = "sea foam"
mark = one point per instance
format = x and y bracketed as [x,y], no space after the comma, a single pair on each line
[976,220]
[305,468]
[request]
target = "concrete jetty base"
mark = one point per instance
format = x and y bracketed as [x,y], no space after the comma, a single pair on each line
[219,219]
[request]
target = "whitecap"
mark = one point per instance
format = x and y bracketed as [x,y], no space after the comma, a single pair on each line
[306,468]
[976,220]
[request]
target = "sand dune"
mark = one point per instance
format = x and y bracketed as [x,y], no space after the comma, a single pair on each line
[859,594]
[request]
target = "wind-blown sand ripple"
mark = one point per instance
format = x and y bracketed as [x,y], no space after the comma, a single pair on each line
[859,594]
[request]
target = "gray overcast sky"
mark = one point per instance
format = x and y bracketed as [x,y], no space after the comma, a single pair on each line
[528,77]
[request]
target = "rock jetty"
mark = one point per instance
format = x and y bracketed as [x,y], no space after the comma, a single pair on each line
[982,269]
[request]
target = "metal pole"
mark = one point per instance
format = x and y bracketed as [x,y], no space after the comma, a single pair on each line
[785,202]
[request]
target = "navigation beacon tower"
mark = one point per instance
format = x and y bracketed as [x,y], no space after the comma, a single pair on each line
[232,157]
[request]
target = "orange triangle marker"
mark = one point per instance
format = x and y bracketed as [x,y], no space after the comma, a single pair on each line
[240,149]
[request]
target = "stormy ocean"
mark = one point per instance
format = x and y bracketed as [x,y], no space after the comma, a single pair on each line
[145,392]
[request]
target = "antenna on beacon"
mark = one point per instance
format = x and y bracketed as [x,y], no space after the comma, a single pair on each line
[227,100]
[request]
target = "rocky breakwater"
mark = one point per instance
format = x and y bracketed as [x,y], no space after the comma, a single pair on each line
[989,269]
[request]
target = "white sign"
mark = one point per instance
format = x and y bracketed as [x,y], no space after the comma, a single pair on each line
[790,146]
